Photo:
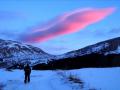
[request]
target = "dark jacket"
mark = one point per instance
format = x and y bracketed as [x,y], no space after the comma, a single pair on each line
[27,69]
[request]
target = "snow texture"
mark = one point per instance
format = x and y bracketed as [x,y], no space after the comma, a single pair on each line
[97,78]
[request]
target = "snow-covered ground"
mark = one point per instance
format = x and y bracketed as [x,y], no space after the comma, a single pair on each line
[40,80]
[97,78]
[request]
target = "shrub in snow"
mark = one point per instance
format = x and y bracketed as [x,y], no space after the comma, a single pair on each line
[1,86]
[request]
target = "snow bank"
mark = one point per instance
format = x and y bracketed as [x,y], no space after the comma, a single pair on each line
[99,78]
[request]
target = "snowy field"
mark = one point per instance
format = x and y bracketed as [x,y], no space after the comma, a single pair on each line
[98,78]
[92,78]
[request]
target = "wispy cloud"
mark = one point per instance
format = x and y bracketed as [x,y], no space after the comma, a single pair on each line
[5,34]
[9,15]
[114,31]
[66,24]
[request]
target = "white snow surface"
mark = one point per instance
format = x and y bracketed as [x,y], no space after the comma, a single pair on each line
[98,78]
[117,51]
[100,47]
[40,80]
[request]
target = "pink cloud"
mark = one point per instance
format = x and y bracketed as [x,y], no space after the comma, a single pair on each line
[67,23]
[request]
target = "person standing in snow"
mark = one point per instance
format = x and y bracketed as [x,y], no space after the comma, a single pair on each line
[27,71]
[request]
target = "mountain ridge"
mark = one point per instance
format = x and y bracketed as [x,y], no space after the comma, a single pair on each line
[16,52]
[13,52]
[109,46]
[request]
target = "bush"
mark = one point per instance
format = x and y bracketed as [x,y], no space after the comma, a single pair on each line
[75,79]
[1,86]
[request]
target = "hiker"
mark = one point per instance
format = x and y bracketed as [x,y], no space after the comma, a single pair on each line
[27,71]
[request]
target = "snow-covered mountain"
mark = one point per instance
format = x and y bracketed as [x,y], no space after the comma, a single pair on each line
[111,46]
[12,52]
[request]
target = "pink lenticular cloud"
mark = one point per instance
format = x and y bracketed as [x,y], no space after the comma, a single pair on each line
[68,23]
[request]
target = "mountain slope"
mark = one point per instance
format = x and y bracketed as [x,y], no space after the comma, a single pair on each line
[13,52]
[111,46]
[103,54]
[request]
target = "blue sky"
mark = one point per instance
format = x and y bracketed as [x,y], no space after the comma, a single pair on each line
[19,16]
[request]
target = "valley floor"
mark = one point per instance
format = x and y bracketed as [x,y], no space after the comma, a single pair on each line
[92,78]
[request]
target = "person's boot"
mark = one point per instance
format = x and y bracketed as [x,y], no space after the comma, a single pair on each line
[25,81]
[28,80]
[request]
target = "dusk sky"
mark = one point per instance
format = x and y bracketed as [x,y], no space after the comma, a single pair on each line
[59,26]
